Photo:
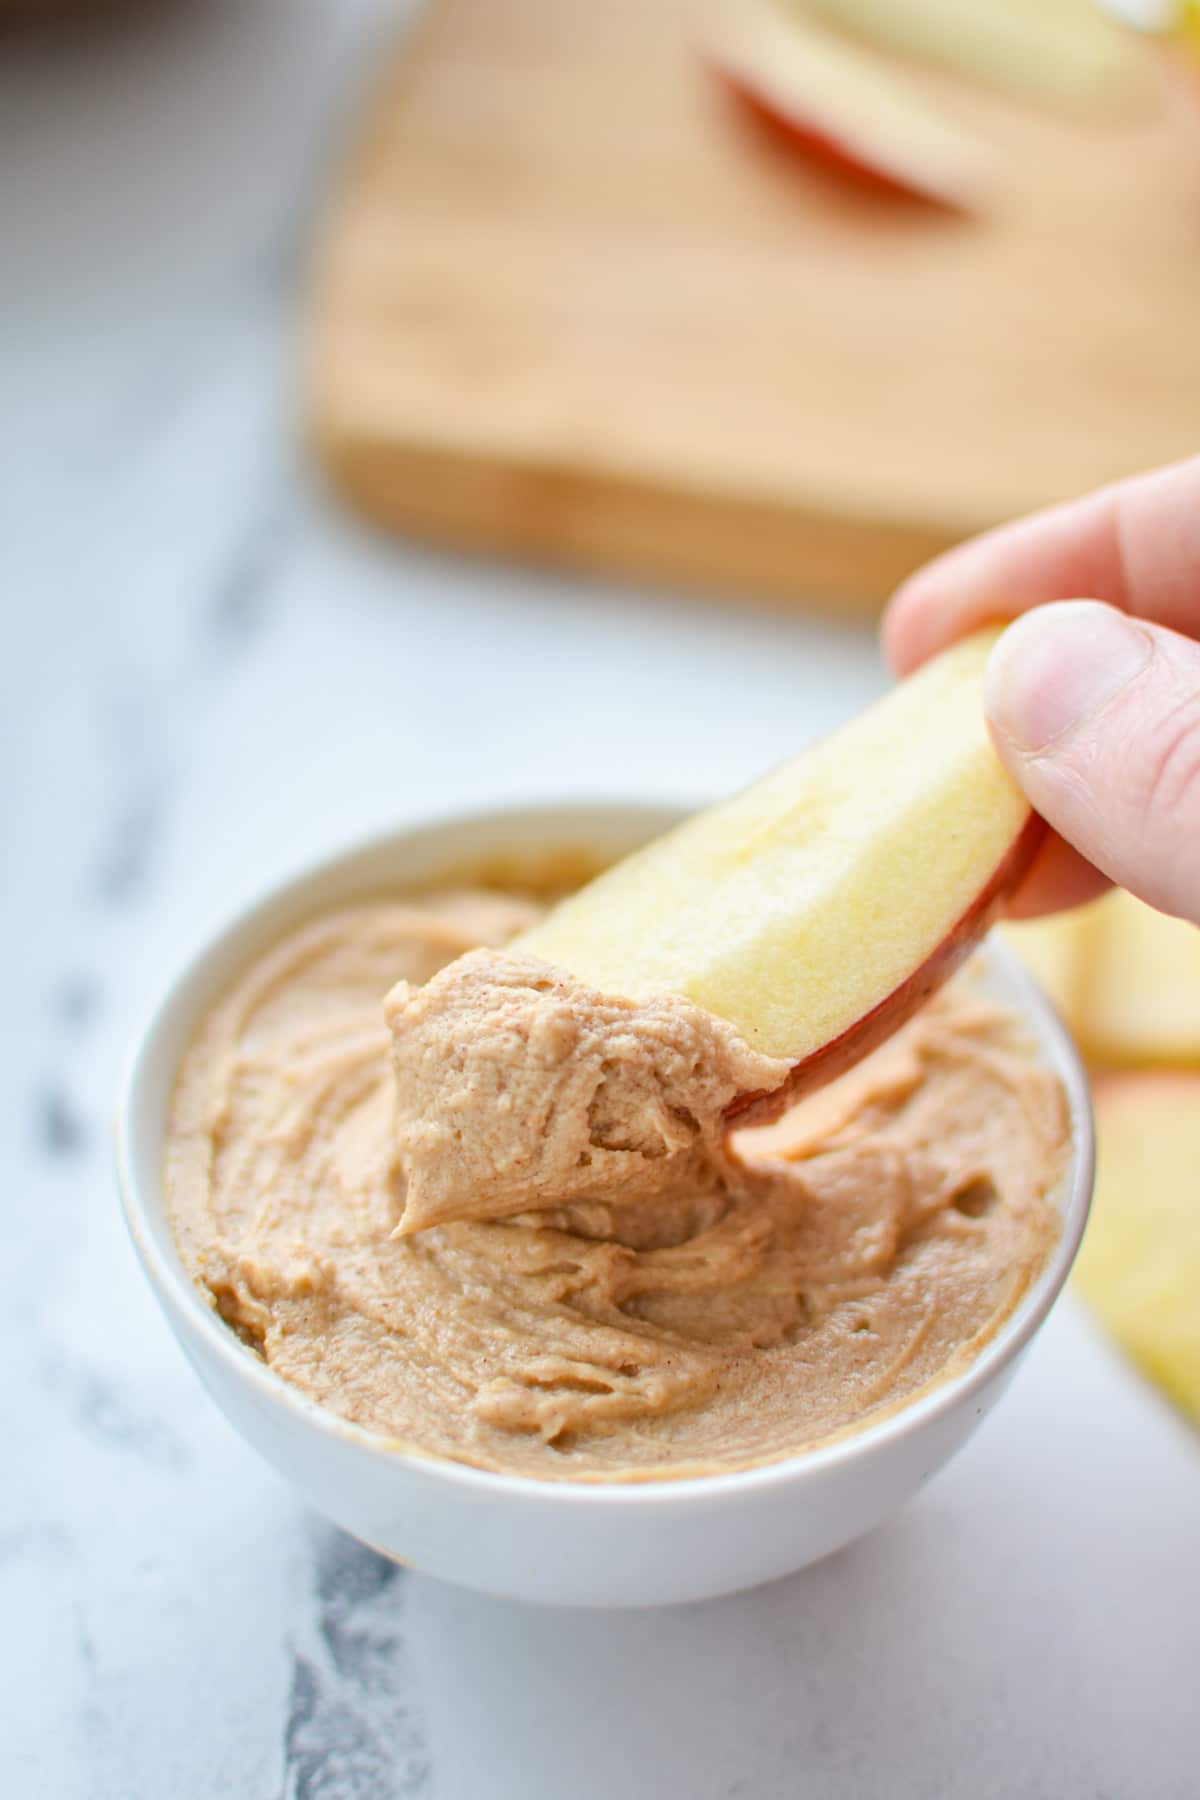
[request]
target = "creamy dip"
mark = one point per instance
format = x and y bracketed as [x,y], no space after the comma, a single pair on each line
[496,1217]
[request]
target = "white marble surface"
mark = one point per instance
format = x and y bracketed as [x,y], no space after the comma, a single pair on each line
[208,676]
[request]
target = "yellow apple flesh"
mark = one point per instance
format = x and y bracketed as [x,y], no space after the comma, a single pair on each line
[1190,26]
[816,910]
[1061,53]
[1139,1268]
[1141,1003]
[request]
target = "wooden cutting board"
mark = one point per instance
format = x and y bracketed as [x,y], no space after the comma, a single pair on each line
[569,305]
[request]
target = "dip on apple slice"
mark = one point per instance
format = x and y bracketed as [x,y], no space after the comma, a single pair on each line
[598,1059]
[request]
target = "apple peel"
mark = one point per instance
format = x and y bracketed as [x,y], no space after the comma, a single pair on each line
[896,1008]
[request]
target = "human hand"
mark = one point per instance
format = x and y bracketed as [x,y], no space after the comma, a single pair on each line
[1094,704]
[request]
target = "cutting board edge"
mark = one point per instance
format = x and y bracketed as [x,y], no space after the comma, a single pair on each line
[724,544]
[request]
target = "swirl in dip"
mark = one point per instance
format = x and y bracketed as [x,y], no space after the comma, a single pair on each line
[494,1216]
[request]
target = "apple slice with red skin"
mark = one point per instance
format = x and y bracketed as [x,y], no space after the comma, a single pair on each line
[889,1013]
[845,106]
[818,909]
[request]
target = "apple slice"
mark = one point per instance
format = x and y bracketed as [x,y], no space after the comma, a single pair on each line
[1189,26]
[1139,1268]
[1141,1004]
[819,908]
[1125,978]
[1061,53]
[844,105]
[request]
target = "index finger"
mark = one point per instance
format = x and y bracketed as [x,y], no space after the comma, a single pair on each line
[1135,544]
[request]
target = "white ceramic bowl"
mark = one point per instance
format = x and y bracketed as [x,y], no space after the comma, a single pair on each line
[619,1545]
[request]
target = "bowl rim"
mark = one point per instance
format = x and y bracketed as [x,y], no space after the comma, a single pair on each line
[178,1293]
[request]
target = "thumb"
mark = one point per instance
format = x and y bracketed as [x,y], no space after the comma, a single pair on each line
[1097,716]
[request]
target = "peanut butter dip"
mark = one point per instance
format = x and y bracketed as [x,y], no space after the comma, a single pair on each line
[496,1217]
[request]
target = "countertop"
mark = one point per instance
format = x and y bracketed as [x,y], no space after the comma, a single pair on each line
[209,675]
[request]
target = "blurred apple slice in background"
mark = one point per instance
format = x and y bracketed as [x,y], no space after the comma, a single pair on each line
[1139,1268]
[843,105]
[1141,1003]
[1061,53]
[1190,26]
[816,910]
[1125,978]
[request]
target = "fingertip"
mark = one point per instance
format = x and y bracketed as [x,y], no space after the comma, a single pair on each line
[909,631]
[894,632]
[1055,666]
[935,606]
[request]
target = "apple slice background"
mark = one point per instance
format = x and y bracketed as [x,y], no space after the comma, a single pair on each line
[844,105]
[819,908]
[1139,1268]
[1064,54]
